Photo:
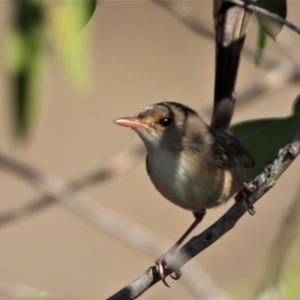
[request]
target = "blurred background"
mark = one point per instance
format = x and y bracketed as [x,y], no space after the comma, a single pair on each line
[132,54]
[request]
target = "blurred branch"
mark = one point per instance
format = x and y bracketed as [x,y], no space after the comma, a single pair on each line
[107,220]
[120,164]
[265,12]
[278,77]
[260,185]
[183,12]
[22,292]
[290,46]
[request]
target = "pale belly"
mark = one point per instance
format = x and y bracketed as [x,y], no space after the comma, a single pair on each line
[191,191]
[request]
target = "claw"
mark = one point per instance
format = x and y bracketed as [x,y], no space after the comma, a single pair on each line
[177,275]
[159,266]
[160,269]
[243,194]
[165,283]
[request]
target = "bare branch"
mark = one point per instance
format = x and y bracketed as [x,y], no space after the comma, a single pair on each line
[260,185]
[265,12]
[278,77]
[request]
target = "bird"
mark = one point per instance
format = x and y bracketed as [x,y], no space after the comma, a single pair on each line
[192,164]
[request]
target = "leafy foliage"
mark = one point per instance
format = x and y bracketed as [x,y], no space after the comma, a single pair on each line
[26,51]
[268,27]
[26,61]
[263,137]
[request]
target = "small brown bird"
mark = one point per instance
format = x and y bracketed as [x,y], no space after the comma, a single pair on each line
[191,164]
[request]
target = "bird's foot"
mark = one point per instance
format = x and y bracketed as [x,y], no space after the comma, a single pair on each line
[244,193]
[161,265]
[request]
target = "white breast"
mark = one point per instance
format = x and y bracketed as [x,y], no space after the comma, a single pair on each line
[179,183]
[172,179]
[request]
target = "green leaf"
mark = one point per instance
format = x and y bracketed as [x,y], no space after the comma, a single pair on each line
[25,58]
[241,130]
[73,47]
[296,105]
[82,12]
[262,42]
[265,137]
[279,7]
[268,27]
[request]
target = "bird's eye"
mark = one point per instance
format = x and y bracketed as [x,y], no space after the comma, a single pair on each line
[166,121]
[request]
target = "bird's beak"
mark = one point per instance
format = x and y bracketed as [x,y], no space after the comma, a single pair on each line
[133,123]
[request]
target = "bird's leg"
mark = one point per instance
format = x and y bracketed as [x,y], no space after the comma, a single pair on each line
[244,194]
[161,262]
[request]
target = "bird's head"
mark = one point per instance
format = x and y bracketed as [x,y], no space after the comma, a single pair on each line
[164,122]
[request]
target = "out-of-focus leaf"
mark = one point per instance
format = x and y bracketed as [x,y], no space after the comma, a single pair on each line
[296,105]
[265,142]
[271,26]
[25,57]
[291,273]
[262,42]
[66,19]
[82,12]
[267,26]
[37,296]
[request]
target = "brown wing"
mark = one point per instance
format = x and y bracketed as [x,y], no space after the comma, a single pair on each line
[229,152]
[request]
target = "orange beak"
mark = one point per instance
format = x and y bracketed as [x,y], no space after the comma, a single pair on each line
[132,122]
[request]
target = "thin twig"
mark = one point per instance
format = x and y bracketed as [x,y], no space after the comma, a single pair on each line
[277,78]
[265,12]
[290,46]
[260,185]
[183,12]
